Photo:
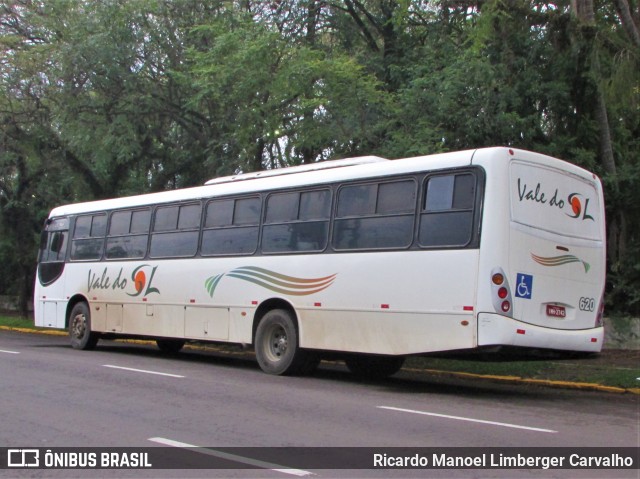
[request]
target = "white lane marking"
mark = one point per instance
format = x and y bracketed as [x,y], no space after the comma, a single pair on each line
[142,371]
[459,418]
[9,352]
[233,457]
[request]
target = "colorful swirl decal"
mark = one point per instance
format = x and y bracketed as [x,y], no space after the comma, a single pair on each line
[273,281]
[560,260]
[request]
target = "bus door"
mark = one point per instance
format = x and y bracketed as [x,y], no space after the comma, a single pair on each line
[51,303]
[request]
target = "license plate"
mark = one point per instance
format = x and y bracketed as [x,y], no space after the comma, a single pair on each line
[556,311]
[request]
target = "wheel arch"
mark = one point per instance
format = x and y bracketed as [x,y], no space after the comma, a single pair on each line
[78,298]
[269,305]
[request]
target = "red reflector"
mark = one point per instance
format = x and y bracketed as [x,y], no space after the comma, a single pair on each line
[594,340]
[317,305]
[520,331]
[467,308]
[144,299]
[192,301]
[502,292]
[254,302]
[384,306]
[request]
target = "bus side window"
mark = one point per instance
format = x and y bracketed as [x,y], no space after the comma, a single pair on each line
[128,234]
[375,216]
[176,230]
[231,226]
[88,237]
[296,222]
[447,213]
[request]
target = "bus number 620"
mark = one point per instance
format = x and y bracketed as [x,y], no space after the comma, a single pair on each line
[587,304]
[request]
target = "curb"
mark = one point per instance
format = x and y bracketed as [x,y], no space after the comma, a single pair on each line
[533,382]
[437,372]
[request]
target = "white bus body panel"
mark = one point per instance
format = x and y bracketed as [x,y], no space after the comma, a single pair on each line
[375,303]
[494,329]
[551,250]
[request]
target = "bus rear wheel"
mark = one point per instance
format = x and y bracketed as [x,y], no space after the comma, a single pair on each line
[277,346]
[170,346]
[80,332]
[374,367]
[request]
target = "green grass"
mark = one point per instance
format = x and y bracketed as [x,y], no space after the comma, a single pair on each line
[615,369]
[16,322]
[604,369]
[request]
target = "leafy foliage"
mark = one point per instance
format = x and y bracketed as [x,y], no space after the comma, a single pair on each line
[101,99]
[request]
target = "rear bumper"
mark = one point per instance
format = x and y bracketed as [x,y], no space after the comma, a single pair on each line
[497,330]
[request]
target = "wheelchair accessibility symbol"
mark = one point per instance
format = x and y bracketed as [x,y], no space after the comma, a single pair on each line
[524,286]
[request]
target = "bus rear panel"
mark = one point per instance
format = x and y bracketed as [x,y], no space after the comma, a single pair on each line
[543,255]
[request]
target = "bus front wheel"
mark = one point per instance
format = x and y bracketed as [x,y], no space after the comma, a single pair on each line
[277,346]
[80,328]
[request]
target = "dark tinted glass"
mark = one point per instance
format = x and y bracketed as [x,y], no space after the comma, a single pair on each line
[184,243]
[99,225]
[126,247]
[140,221]
[357,200]
[372,233]
[219,213]
[440,193]
[282,207]
[446,229]
[464,192]
[247,211]
[166,219]
[292,237]
[83,227]
[447,220]
[189,217]
[397,197]
[315,205]
[84,249]
[224,241]
[120,222]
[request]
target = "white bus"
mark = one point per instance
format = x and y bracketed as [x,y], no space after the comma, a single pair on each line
[368,259]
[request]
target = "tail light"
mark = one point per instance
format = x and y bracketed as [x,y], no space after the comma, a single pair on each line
[501,292]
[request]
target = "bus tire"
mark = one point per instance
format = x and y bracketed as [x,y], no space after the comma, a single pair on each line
[170,346]
[374,367]
[80,332]
[277,346]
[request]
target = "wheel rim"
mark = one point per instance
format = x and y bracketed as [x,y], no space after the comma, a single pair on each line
[79,326]
[276,343]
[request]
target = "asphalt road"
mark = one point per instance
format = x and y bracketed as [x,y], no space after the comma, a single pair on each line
[130,395]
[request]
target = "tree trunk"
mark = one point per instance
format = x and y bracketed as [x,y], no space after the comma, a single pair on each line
[628,23]
[584,12]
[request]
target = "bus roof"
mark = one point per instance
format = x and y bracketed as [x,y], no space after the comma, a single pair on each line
[310,174]
[321,165]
